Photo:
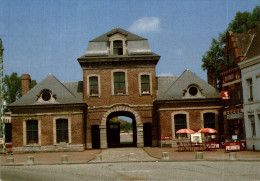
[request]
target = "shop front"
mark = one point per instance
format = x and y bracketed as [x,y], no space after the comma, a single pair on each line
[235,139]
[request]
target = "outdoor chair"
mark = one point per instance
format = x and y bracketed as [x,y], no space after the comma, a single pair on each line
[189,146]
[180,147]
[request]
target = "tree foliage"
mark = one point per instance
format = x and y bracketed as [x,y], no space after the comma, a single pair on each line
[13,87]
[124,125]
[243,21]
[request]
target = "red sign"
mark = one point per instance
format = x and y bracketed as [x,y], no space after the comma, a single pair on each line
[229,78]
[212,145]
[166,137]
[232,146]
[225,95]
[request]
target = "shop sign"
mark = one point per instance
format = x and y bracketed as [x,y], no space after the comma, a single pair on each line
[229,78]
[234,116]
[212,145]
[232,146]
[225,95]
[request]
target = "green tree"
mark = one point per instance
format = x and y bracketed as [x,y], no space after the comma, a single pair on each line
[243,21]
[13,87]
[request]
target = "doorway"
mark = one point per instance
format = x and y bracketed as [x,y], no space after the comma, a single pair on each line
[95,135]
[121,130]
[147,134]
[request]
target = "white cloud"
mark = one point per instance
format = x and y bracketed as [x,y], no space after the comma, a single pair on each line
[145,24]
[178,51]
[165,74]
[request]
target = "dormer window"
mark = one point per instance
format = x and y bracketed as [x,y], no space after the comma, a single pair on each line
[193,91]
[117,47]
[46,96]
[117,44]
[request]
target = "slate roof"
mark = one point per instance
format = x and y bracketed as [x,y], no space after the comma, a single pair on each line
[136,46]
[254,47]
[172,88]
[66,93]
[129,36]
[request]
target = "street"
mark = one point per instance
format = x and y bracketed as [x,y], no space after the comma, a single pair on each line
[194,170]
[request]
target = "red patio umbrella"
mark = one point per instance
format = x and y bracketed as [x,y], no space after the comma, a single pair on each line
[182,131]
[208,130]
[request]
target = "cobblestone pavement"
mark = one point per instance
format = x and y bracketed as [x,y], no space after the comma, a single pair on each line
[123,154]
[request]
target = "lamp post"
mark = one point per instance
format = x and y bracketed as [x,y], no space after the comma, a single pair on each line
[2,127]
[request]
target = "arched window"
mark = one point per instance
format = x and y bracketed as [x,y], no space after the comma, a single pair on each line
[180,122]
[209,120]
[117,47]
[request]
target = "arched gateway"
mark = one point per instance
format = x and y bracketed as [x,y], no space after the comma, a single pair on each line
[122,110]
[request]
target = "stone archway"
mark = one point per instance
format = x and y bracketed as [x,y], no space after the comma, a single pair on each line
[120,108]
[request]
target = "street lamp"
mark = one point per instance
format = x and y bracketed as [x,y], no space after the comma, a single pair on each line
[2,138]
[3,103]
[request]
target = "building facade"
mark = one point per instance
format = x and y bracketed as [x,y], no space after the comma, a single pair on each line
[189,102]
[235,48]
[119,79]
[250,69]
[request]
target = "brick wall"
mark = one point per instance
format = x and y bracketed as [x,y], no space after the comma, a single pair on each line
[106,96]
[194,110]
[46,116]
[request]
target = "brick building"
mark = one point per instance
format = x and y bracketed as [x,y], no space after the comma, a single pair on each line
[186,102]
[235,49]
[119,79]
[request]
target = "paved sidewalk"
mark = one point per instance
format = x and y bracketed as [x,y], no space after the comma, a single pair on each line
[123,155]
[126,154]
[52,157]
[218,154]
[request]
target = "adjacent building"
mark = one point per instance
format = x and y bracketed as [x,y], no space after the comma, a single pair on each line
[250,69]
[235,49]
[119,79]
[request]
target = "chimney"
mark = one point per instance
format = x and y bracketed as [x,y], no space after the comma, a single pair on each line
[212,79]
[25,83]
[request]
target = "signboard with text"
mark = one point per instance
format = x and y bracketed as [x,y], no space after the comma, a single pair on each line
[232,146]
[225,95]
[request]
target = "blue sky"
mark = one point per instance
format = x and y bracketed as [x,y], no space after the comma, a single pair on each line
[48,36]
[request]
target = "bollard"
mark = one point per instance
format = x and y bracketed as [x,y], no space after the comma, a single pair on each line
[232,156]
[131,157]
[10,161]
[30,160]
[98,157]
[165,156]
[64,159]
[199,156]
